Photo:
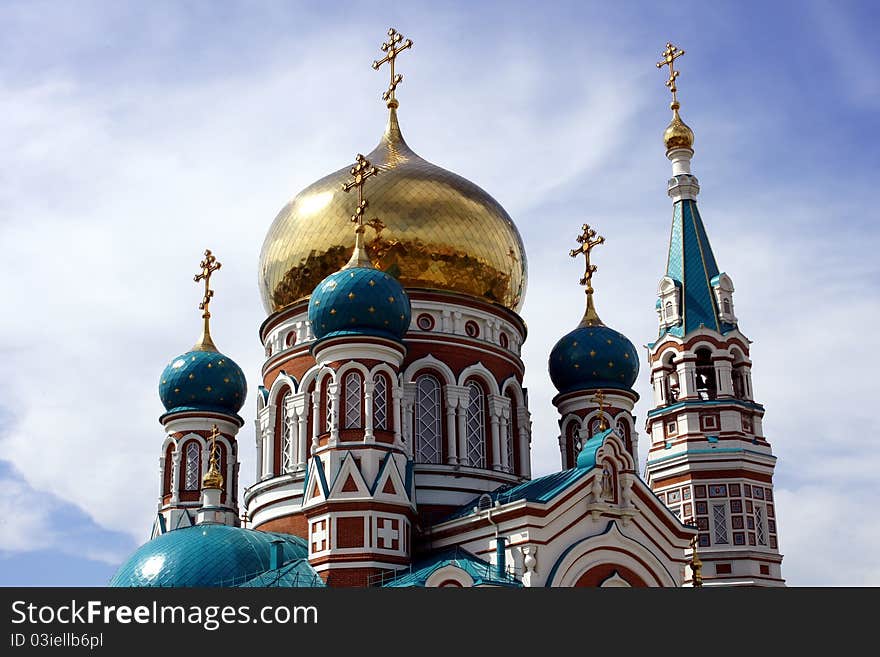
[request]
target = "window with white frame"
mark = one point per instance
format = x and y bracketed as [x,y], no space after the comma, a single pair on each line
[286,459]
[427,420]
[380,403]
[191,477]
[475,427]
[353,397]
[719,523]
[508,442]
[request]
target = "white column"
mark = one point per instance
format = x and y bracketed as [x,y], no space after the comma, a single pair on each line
[396,396]
[504,420]
[161,479]
[461,411]
[175,475]
[269,450]
[657,380]
[301,406]
[258,435]
[747,380]
[496,441]
[368,411]
[451,447]
[316,418]
[687,382]
[333,401]
[446,321]
[409,434]
[524,421]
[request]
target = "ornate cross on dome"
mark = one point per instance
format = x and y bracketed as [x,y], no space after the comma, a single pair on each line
[213,478]
[599,398]
[586,241]
[669,56]
[361,170]
[392,50]
[209,265]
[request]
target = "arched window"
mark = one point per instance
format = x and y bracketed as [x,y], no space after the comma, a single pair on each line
[706,382]
[428,420]
[169,466]
[572,444]
[727,306]
[475,427]
[353,396]
[622,427]
[380,403]
[286,438]
[668,310]
[192,466]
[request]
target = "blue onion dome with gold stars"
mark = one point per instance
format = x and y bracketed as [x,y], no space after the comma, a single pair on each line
[359,301]
[592,356]
[203,380]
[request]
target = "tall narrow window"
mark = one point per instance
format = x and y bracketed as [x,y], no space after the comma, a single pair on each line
[475,427]
[328,404]
[508,441]
[707,386]
[719,518]
[353,401]
[759,525]
[427,420]
[380,403]
[193,469]
[286,456]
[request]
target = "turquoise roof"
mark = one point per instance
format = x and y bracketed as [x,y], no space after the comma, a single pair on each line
[482,572]
[692,265]
[593,357]
[206,555]
[359,301]
[296,574]
[543,489]
[203,381]
[704,402]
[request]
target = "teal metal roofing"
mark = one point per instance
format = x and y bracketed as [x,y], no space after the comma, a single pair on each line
[296,574]
[704,402]
[206,555]
[482,572]
[692,264]
[543,489]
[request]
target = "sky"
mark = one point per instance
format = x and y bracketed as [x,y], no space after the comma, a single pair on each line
[134,136]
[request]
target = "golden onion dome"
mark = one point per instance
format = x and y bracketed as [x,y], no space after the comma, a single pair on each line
[435,230]
[677,133]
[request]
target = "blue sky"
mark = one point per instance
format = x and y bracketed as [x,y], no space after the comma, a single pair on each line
[134,136]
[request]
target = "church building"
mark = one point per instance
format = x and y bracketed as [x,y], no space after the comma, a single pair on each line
[393,432]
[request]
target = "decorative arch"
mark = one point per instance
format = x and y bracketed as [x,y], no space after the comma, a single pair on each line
[479,371]
[428,418]
[283,432]
[430,363]
[449,575]
[512,388]
[571,423]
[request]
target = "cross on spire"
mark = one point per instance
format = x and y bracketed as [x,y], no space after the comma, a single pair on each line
[392,50]
[588,240]
[599,398]
[669,56]
[209,265]
[362,170]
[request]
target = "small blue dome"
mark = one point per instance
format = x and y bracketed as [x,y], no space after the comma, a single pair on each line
[203,381]
[592,357]
[207,555]
[359,301]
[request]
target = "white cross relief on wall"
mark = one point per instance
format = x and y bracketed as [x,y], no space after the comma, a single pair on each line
[319,536]
[388,533]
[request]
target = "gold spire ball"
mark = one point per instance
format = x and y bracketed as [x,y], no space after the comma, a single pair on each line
[213,478]
[677,133]
[438,231]
[209,265]
[587,241]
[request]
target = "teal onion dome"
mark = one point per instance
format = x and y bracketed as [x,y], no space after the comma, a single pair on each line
[593,357]
[203,380]
[211,556]
[359,301]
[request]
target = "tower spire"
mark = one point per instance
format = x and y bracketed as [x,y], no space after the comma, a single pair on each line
[209,265]
[362,170]
[392,50]
[588,240]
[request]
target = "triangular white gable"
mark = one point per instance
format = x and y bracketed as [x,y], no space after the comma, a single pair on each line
[392,474]
[314,492]
[349,472]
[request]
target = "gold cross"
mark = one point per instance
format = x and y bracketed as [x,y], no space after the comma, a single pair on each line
[669,56]
[209,265]
[361,170]
[392,51]
[213,478]
[599,398]
[586,241]
[215,431]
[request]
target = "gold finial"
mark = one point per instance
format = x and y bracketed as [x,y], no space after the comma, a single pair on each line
[677,134]
[696,565]
[586,241]
[209,265]
[392,50]
[599,398]
[213,478]
[361,170]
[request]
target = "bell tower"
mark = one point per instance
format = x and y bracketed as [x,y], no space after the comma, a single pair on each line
[709,460]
